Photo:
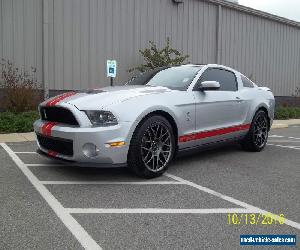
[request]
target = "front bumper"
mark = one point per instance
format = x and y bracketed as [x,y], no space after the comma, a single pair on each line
[99,136]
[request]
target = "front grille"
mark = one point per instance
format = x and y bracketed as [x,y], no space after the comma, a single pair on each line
[58,145]
[58,114]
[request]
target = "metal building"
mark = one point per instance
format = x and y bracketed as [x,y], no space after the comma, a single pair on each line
[68,41]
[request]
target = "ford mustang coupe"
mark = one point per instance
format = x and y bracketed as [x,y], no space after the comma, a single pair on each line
[144,123]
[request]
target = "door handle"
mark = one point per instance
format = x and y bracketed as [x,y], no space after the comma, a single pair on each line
[238,99]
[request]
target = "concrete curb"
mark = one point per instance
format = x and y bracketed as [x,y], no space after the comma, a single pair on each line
[279,125]
[285,123]
[21,137]
[17,137]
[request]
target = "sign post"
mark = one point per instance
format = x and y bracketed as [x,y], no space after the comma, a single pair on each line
[111,70]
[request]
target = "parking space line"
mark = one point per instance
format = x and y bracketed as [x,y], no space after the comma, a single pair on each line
[112,183]
[230,199]
[282,141]
[158,211]
[281,136]
[69,221]
[291,137]
[283,146]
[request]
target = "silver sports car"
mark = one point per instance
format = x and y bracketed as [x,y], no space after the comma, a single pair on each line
[146,122]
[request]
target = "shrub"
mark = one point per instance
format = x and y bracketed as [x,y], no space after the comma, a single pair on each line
[155,57]
[283,113]
[17,123]
[20,86]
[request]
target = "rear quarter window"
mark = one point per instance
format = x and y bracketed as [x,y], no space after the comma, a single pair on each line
[246,82]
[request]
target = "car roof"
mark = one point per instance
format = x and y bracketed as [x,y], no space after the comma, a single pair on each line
[214,65]
[207,64]
[203,65]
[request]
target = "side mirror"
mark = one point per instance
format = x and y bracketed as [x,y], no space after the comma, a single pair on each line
[207,85]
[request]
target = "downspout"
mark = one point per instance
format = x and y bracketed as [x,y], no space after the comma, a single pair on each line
[218,35]
[45,48]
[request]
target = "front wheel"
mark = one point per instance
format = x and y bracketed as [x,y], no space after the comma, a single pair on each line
[256,139]
[152,147]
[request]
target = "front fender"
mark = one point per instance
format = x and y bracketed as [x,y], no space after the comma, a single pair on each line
[146,112]
[269,106]
[180,105]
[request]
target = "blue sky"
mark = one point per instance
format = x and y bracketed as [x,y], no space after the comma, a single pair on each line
[286,8]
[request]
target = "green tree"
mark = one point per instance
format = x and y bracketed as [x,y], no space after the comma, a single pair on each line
[155,57]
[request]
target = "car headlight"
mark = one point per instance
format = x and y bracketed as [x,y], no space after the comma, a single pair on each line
[101,118]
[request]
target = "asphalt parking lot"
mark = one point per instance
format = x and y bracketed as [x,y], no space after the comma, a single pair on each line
[46,205]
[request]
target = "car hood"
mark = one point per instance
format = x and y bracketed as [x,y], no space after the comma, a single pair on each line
[103,97]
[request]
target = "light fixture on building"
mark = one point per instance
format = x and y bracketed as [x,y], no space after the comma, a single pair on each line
[177,1]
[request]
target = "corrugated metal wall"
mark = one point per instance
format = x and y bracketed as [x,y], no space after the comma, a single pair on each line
[267,51]
[83,34]
[21,33]
[70,40]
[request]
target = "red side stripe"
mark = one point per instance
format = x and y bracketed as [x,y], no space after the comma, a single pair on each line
[46,128]
[59,98]
[52,153]
[211,133]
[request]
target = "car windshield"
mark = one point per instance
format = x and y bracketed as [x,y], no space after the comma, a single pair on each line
[178,78]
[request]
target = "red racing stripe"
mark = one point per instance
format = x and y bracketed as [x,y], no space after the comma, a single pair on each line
[46,128]
[59,98]
[211,133]
[52,153]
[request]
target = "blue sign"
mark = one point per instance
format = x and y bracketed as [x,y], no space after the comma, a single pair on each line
[111,68]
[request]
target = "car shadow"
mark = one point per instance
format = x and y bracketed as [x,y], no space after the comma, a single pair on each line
[208,151]
[205,153]
[200,155]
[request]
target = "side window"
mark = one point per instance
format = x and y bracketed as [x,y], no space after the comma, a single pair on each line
[246,82]
[226,78]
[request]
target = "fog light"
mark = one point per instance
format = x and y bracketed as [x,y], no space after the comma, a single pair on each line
[90,150]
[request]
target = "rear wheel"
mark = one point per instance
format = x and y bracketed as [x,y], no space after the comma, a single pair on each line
[256,139]
[152,147]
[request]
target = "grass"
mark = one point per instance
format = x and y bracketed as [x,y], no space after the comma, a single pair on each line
[284,113]
[17,122]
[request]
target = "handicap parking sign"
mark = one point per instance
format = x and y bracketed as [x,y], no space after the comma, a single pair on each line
[111,68]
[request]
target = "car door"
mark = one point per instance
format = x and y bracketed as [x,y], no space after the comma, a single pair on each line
[219,113]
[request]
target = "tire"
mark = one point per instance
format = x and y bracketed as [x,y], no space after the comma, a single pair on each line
[257,136]
[152,147]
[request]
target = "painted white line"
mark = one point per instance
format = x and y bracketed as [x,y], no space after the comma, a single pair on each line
[294,138]
[157,211]
[44,165]
[75,228]
[283,141]
[29,152]
[228,198]
[283,146]
[276,136]
[281,136]
[112,183]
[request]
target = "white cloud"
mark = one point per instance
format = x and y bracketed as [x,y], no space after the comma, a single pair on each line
[286,8]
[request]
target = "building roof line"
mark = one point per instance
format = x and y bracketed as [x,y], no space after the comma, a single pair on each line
[255,12]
